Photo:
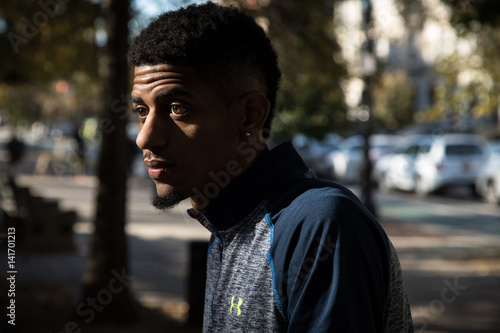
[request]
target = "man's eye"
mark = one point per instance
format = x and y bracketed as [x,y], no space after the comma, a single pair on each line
[177,109]
[141,112]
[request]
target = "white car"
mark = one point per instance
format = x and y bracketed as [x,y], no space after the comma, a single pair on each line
[314,153]
[396,170]
[347,161]
[488,181]
[453,159]
[491,192]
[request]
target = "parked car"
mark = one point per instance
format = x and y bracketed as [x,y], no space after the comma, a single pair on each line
[314,152]
[490,188]
[396,170]
[488,181]
[452,159]
[347,161]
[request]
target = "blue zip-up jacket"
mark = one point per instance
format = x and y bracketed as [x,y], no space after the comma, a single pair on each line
[292,253]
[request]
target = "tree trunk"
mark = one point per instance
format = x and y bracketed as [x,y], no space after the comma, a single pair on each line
[367,100]
[106,282]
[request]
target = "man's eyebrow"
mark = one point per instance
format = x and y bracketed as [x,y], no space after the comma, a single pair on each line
[137,100]
[162,94]
[172,92]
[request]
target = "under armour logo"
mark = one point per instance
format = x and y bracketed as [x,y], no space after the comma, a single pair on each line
[237,306]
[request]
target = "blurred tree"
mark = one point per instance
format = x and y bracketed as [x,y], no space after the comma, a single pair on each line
[42,42]
[310,100]
[61,56]
[108,250]
[470,11]
[47,40]
[393,100]
[479,20]
[469,85]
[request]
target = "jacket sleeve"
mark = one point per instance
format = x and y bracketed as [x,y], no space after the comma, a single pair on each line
[333,274]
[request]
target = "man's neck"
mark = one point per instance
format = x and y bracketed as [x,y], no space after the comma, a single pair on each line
[251,152]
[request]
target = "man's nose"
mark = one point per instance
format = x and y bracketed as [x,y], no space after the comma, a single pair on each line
[153,132]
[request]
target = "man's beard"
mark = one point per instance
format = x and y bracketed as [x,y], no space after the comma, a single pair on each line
[167,202]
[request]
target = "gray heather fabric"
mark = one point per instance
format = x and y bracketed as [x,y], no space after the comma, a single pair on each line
[239,293]
[398,309]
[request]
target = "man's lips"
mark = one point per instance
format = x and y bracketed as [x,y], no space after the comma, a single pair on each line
[158,168]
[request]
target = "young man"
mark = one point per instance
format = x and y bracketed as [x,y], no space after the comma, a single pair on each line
[288,253]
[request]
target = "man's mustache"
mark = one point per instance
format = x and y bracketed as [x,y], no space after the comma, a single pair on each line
[149,156]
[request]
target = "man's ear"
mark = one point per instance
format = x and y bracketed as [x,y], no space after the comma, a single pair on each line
[256,108]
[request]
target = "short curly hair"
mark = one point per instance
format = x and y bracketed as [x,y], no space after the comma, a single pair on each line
[225,46]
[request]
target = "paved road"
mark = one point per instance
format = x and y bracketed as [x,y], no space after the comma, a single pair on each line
[449,250]
[457,212]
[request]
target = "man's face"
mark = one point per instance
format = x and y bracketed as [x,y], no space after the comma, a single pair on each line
[187,132]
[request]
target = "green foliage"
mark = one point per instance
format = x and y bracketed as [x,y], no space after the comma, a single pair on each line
[393,99]
[471,11]
[469,84]
[472,81]
[43,42]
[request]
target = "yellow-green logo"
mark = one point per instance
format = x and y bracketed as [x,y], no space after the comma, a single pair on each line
[237,306]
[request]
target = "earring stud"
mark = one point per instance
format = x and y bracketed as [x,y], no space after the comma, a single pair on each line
[247,134]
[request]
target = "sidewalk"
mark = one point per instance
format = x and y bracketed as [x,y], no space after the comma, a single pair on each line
[453,278]
[158,244]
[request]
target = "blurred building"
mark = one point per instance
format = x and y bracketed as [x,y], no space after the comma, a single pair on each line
[414,37]
[414,40]
[417,39]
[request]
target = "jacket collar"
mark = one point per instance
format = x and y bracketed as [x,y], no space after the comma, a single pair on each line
[270,176]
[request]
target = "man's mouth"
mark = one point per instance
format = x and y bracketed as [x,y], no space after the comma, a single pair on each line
[158,169]
[158,173]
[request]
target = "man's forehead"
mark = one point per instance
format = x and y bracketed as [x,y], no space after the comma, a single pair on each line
[150,76]
[158,81]
[163,69]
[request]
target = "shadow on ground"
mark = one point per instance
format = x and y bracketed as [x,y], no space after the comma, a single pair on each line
[50,307]
[48,286]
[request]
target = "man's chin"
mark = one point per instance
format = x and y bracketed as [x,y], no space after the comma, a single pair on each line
[167,201]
